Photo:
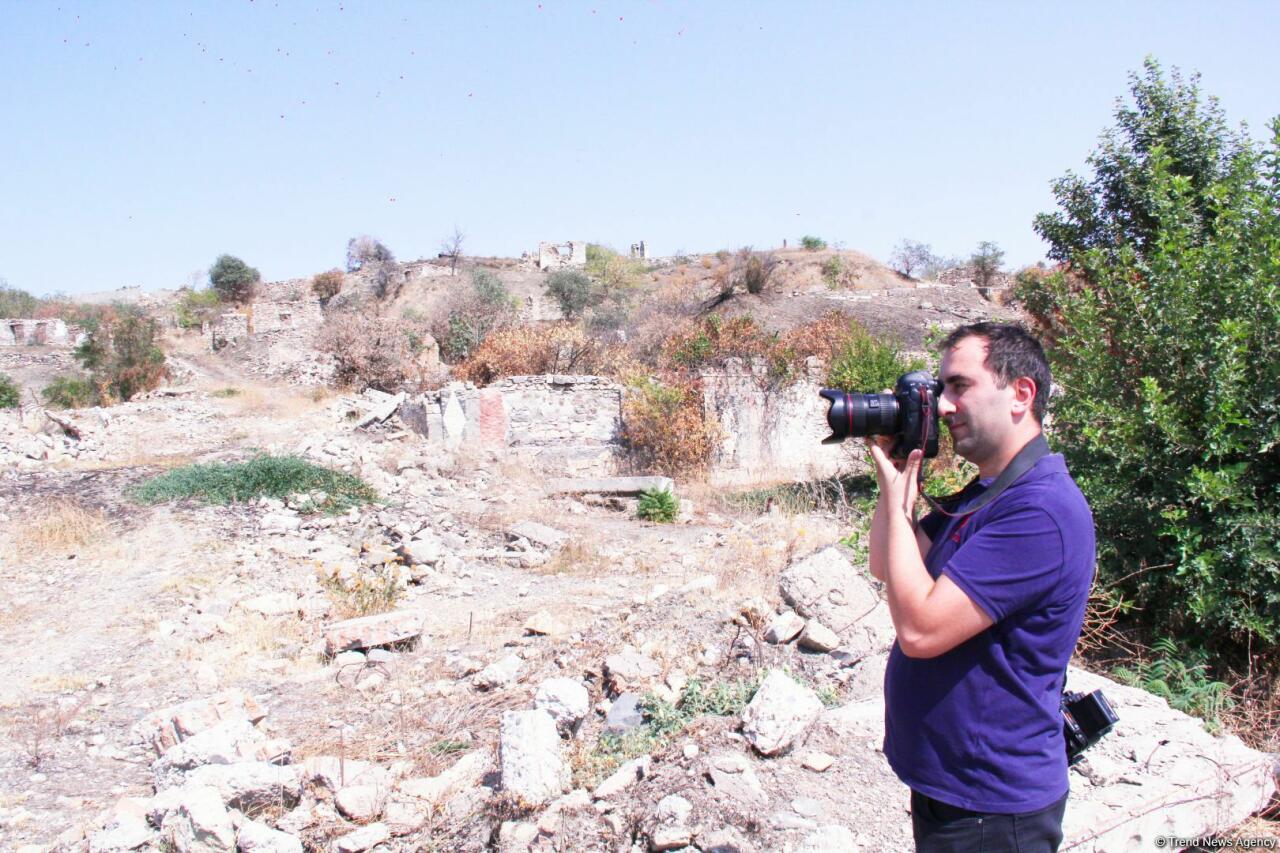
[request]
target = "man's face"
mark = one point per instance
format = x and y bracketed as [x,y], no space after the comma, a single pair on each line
[976,410]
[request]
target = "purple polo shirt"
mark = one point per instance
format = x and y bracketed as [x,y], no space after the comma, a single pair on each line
[979,727]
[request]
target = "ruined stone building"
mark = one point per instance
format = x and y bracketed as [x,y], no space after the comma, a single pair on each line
[50,332]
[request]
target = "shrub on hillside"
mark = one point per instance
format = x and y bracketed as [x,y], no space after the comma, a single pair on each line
[714,339]
[812,243]
[372,350]
[15,302]
[365,250]
[657,505]
[70,392]
[572,291]
[666,428]
[233,279]
[327,285]
[122,355]
[755,269]
[866,364]
[1165,338]
[10,393]
[471,314]
[196,307]
[528,350]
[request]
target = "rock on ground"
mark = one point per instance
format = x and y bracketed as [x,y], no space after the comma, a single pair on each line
[381,629]
[533,766]
[829,839]
[827,587]
[200,823]
[257,837]
[779,713]
[629,670]
[566,700]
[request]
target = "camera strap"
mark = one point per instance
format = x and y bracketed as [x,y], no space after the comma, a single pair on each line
[1031,453]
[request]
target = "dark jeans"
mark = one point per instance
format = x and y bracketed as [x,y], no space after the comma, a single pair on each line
[942,828]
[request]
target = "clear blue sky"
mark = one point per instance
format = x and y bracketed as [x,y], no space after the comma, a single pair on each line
[140,140]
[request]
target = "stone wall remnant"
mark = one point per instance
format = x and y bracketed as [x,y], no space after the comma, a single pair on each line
[640,250]
[45,332]
[553,256]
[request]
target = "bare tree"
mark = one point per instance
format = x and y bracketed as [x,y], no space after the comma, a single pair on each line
[910,257]
[451,248]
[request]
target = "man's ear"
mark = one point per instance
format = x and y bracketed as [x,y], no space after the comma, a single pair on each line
[1024,394]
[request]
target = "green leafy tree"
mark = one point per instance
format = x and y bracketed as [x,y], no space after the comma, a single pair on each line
[572,291]
[986,261]
[1166,338]
[197,306]
[15,302]
[911,256]
[233,279]
[812,243]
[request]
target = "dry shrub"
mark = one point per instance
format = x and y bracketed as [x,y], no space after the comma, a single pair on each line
[714,339]
[60,525]
[824,338]
[667,429]
[373,350]
[577,557]
[531,350]
[327,285]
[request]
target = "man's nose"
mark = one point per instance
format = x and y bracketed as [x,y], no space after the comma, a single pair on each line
[945,406]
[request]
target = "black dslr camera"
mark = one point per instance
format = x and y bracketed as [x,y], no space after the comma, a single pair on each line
[1085,719]
[909,414]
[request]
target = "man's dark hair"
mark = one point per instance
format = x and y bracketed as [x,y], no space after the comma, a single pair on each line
[1012,351]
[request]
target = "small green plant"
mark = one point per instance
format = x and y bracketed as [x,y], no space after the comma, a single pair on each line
[1181,679]
[812,243]
[224,393]
[70,392]
[833,271]
[364,594]
[658,505]
[663,720]
[263,476]
[571,290]
[10,394]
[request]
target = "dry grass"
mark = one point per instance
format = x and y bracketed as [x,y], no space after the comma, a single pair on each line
[577,557]
[59,526]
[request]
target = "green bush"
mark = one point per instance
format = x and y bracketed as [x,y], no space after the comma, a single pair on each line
[572,291]
[1166,332]
[70,392]
[471,316]
[10,393]
[16,303]
[1185,686]
[233,279]
[986,260]
[868,365]
[832,271]
[263,476]
[197,306]
[812,243]
[658,505]
[122,356]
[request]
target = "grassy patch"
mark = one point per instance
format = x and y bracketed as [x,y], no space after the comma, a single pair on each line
[663,721]
[658,505]
[855,493]
[263,476]
[223,393]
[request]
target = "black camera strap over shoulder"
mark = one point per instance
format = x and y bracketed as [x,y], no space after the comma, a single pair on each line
[1026,458]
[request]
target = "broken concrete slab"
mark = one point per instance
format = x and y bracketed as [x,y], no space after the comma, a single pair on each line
[538,534]
[626,486]
[168,726]
[382,410]
[381,629]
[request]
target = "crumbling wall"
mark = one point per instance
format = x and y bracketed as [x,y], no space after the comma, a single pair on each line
[772,434]
[552,256]
[573,423]
[47,332]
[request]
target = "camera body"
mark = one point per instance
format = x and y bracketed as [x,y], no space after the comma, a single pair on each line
[909,414]
[1085,719]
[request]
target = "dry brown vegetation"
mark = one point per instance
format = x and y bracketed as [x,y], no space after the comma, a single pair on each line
[59,525]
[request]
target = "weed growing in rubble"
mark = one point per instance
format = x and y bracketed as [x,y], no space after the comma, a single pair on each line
[663,721]
[263,476]
[658,505]
[9,392]
[363,594]
[1182,680]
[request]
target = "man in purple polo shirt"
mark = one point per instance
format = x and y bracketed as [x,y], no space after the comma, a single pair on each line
[987,606]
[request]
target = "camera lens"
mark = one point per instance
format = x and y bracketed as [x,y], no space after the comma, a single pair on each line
[859,415]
